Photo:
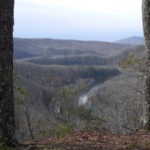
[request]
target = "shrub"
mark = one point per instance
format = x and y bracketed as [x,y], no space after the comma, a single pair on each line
[4,147]
[62,131]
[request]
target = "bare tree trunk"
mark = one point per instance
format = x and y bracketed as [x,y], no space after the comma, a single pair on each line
[7,117]
[146,26]
[29,124]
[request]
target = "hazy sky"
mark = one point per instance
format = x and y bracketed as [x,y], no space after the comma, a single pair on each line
[106,20]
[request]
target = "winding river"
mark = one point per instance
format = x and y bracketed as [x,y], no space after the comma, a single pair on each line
[84,99]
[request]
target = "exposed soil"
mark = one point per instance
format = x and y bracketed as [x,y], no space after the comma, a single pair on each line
[93,141]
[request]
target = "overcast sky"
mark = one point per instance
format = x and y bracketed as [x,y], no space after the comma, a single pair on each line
[104,20]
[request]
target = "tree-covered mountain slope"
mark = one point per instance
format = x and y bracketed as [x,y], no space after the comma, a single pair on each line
[134,40]
[53,47]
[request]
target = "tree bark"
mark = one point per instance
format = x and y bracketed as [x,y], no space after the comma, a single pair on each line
[29,123]
[7,115]
[146,26]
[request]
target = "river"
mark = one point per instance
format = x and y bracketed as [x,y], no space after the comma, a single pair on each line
[84,99]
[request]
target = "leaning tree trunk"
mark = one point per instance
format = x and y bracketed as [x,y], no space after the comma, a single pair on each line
[146,26]
[7,117]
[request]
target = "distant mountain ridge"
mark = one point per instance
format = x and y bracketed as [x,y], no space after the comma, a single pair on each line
[134,40]
[53,47]
[87,59]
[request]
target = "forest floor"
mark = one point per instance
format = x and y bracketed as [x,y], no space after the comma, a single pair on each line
[103,140]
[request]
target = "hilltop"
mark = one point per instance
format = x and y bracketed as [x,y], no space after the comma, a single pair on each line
[134,40]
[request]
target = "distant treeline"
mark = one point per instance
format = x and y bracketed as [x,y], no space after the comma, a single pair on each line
[85,59]
[58,75]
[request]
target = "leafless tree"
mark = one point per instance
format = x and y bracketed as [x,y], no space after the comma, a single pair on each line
[146,26]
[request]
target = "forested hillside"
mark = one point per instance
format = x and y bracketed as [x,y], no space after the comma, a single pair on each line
[51,89]
[88,59]
[135,40]
[53,47]
[76,86]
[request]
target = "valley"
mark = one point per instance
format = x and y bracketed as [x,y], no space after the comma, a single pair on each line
[78,85]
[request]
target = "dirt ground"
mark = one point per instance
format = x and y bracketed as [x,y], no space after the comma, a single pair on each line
[93,141]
